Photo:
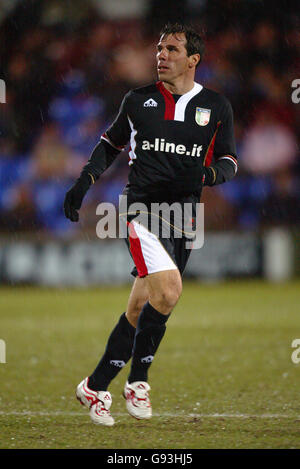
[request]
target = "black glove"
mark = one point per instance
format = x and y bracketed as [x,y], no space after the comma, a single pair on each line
[75,195]
[209,176]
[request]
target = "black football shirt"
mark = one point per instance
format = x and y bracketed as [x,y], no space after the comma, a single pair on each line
[172,137]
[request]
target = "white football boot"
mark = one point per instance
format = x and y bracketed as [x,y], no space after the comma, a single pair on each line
[98,402]
[137,399]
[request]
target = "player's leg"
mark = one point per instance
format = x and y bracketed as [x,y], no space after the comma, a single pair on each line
[138,296]
[92,391]
[164,291]
[155,261]
[120,342]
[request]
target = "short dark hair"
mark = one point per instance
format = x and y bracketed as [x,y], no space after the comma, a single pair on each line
[194,41]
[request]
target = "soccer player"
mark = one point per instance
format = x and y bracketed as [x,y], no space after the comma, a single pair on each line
[181,139]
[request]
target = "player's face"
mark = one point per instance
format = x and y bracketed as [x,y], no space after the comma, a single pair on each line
[172,59]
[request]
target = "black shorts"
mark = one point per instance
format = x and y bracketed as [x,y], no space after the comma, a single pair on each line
[164,246]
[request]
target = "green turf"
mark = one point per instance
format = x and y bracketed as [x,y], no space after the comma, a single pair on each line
[223,377]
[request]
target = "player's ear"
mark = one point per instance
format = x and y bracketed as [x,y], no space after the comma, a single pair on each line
[195,59]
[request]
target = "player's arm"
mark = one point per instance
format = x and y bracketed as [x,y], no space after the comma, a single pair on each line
[112,142]
[221,160]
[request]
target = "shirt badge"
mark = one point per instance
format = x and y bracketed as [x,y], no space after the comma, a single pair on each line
[202,116]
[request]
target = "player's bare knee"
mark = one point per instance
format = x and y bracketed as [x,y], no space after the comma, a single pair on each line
[132,317]
[173,290]
[137,308]
[169,298]
[134,310]
[164,290]
[166,298]
[173,294]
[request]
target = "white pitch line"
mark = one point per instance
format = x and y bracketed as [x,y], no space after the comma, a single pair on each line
[164,414]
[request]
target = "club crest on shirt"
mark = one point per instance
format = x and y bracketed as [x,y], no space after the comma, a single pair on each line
[202,116]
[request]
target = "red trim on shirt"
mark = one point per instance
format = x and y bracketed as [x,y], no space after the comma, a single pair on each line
[169,101]
[210,150]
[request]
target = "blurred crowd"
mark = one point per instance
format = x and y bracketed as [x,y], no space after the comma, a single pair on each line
[67,67]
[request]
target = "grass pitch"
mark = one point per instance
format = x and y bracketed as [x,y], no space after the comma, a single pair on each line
[223,376]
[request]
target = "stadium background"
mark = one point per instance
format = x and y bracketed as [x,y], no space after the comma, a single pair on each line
[66,66]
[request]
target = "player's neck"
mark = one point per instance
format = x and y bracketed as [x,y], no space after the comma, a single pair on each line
[179,86]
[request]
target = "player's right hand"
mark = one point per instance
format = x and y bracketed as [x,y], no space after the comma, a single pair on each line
[74,197]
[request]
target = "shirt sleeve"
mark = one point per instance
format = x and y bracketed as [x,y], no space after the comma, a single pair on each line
[118,134]
[112,142]
[225,141]
[222,164]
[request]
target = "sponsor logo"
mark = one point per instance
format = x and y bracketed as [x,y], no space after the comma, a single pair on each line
[202,116]
[147,359]
[168,147]
[150,103]
[118,363]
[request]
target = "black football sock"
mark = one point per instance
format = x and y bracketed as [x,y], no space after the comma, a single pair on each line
[117,353]
[149,333]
